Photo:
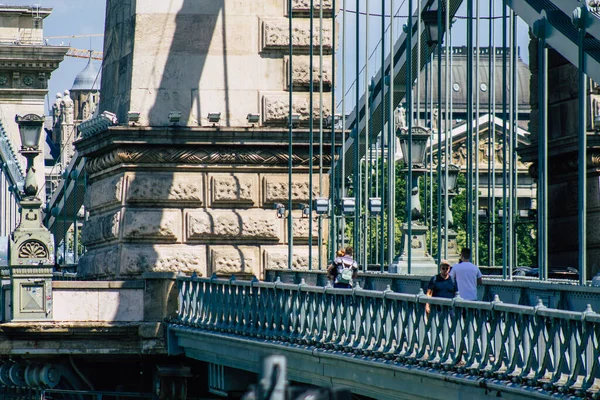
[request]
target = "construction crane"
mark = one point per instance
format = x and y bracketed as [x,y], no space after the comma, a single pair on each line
[75,36]
[80,53]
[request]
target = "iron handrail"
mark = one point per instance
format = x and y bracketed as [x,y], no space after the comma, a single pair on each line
[537,346]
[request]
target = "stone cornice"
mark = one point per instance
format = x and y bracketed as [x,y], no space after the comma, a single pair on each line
[25,10]
[161,137]
[23,65]
[31,56]
[559,147]
[195,155]
[568,164]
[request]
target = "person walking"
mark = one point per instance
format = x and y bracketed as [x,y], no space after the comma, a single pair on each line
[441,285]
[343,270]
[466,275]
[332,270]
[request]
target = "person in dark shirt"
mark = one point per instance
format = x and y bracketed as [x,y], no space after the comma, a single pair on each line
[442,285]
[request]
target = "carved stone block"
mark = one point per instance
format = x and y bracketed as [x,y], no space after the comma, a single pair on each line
[176,187]
[275,35]
[276,188]
[276,257]
[234,189]
[101,228]
[227,260]
[303,7]
[136,259]
[238,225]
[104,193]
[301,72]
[275,106]
[158,226]
[300,228]
[99,263]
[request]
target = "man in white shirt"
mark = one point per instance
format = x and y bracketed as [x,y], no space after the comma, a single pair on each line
[466,275]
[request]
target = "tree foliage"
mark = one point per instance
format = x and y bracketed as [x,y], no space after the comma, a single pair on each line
[524,230]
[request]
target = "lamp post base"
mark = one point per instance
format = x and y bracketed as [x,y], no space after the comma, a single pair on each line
[421,262]
[453,254]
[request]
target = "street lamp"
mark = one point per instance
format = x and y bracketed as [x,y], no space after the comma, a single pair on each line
[421,262]
[31,244]
[451,246]
[418,144]
[453,171]
[30,130]
[430,20]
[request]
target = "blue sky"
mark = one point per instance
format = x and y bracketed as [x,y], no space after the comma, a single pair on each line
[70,17]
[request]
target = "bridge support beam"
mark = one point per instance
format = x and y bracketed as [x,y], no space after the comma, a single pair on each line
[380,379]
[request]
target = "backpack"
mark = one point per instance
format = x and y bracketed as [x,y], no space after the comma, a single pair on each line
[346,270]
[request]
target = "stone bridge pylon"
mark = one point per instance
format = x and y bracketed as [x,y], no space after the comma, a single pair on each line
[184,181]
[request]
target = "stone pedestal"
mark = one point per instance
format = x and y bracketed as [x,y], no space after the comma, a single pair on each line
[192,202]
[453,254]
[31,264]
[421,262]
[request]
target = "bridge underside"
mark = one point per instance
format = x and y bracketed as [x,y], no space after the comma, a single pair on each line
[367,376]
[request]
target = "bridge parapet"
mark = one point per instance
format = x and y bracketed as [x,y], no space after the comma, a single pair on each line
[558,294]
[544,350]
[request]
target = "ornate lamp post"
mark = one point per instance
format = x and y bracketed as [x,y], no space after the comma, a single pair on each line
[421,262]
[450,245]
[31,244]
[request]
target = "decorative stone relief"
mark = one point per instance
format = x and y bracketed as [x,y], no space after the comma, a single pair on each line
[276,189]
[257,225]
[300,228]
[103,193]
[100,228]
[301,72]
[228,189]
[153,188]
[137,259]
[232,155]
[275,35]
[276,257]
[158,226]
[42,81]
[275,107]
[227,260]
[303,6]
[28,80]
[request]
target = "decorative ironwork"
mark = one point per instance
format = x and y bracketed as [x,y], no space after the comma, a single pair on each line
[33,249]
[535,346]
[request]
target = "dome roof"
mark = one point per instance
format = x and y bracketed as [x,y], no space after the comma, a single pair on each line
[88,78]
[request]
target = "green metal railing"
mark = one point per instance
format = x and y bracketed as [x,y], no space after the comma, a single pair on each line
[555,350]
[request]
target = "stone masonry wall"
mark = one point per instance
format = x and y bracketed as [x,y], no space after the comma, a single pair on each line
[226,56]
[200,222]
